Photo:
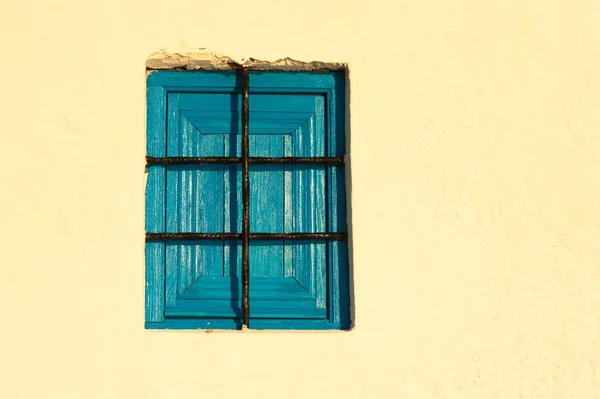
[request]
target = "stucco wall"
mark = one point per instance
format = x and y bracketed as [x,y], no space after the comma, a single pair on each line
[475,134]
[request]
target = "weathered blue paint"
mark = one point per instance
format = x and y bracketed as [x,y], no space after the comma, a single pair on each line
[294,284]
[155,204]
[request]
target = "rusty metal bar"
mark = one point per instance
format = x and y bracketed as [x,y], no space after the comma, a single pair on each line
[245,199]
[191,160]
[337,161]
[192,236]
[299,236]
[252,236]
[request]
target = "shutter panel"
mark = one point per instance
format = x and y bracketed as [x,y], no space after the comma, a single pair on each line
[196,283]
[203,278]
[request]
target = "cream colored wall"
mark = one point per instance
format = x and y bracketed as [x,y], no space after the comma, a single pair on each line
[475,140]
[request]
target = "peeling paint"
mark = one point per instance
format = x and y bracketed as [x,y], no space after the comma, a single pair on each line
[206,60]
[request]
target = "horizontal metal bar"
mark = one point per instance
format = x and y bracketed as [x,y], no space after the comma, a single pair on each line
[238,236]
[299,160]
[191,160]
[299,236]
[192,236]
[338,161]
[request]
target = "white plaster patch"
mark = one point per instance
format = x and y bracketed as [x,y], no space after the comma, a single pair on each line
[205,59]
[202,59]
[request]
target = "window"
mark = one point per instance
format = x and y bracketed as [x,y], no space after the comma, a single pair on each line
[245,200]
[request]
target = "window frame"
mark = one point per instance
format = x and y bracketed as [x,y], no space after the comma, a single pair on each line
[329,84]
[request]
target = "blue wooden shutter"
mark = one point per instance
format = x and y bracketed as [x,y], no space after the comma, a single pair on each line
[296,284]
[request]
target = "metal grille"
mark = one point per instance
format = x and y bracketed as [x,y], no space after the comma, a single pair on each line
[245,160]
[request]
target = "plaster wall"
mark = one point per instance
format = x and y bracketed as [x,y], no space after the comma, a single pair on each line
[475,176]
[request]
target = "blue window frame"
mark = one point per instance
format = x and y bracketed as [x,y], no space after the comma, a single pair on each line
[194,206]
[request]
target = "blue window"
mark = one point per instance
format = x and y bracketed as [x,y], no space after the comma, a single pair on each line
[286,265]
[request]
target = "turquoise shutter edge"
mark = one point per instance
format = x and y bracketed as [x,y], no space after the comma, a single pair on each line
[330,84]
[155,203]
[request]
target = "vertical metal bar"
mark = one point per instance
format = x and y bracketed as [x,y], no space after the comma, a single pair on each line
[245,200]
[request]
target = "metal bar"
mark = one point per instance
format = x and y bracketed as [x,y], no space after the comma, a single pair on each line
[252,236]
[338,161]
[299,236]
[299,160]
[191,160]
[192,236]
[245,199]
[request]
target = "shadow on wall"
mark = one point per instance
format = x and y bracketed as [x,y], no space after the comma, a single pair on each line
[348,178]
